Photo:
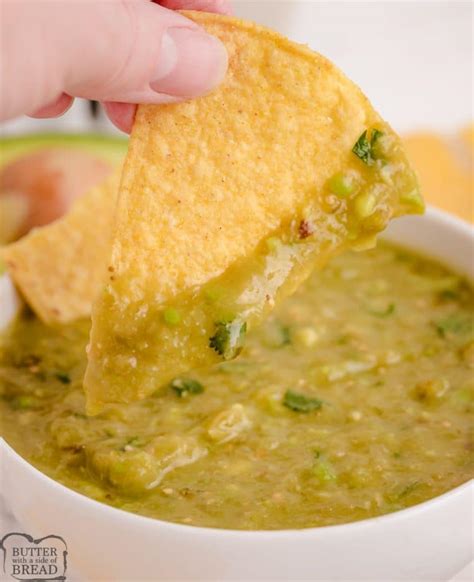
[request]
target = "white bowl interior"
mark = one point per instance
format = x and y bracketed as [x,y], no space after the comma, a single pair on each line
[437,235]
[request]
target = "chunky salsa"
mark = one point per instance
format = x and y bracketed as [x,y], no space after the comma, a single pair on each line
[354,399]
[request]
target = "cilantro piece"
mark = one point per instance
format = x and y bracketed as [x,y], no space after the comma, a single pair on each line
[453,324]
[301,403]
[79,415]
[364,147]
[185,386]
[389,310]
[63,377]
[449,295]
[228,339]
[285,335]
[409,489]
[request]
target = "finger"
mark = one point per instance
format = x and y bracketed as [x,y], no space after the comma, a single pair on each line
[177,75]
[121,115]
[216,6]
[123,51]
[58,107]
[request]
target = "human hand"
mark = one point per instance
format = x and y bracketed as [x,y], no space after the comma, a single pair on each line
[120,52]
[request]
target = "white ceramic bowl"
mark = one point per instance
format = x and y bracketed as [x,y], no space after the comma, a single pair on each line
[430,541]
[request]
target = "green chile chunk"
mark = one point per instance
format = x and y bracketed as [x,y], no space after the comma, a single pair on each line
[301,403]
[228,338]
[185,386]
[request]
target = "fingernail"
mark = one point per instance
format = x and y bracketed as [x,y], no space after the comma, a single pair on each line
[191,63]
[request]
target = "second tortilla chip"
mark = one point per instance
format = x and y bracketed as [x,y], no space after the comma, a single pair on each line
[59,267]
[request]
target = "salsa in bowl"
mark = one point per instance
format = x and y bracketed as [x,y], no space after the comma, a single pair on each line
[353,401]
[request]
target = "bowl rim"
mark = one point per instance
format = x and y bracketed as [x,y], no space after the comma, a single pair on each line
[434,214]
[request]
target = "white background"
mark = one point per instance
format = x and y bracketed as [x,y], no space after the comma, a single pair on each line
[413,59]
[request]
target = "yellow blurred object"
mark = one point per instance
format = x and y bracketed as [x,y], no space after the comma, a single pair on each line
[13,213]
[445,169]
[467,136]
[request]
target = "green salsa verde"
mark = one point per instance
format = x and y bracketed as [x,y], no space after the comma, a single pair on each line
[353,400]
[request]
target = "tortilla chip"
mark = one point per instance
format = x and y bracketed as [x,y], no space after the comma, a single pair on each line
[445,169]
[467,137]
[225,207]
[59,268]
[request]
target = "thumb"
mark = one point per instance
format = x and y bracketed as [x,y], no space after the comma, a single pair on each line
[130,51]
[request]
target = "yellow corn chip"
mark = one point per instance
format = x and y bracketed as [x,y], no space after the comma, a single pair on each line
[59,268]
[445,170]
[467,137]
[226,204]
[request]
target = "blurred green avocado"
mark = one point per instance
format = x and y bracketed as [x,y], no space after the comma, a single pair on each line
[111,148]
